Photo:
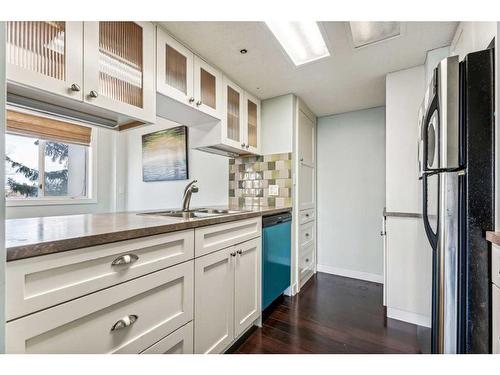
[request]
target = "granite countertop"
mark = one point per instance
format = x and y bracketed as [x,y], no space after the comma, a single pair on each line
[31,237]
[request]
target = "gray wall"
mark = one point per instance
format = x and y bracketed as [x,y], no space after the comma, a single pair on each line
[351,193]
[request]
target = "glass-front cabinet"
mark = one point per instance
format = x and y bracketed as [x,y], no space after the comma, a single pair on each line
[186,78]
[119,69]
[47,55]
[251,124]
[233,118]
[174,64]
[207,88]
[109,65]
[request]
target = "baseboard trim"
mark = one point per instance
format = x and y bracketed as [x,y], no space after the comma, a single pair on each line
[373,277]
[409,317]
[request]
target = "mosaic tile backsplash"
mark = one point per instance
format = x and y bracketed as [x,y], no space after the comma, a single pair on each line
[250,177]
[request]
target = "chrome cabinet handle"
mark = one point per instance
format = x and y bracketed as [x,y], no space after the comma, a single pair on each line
[247,146]
[75,87]
[307,260]
[240,252]
[307,215]
[124,322]
[301,159]
[233,254]
[125,259]
[198,103]
[242,145]
[307,234]
[191,100]
[93,94]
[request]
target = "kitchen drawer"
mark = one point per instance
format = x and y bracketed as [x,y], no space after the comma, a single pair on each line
[216,237]
[305,216]
[178,342]
[161,301]
[38,283]
[495,265]
[307,256]
[496,318]
[306,233]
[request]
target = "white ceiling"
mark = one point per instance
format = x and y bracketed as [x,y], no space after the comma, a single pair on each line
[348,80]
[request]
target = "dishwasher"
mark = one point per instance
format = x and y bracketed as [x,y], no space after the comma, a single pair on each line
[276,254]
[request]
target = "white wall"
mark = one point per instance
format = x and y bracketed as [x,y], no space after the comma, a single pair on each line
[432,59]
[105,184]
[408,253]
[404,93]
[277,124]
[351,193]
[2,191]
[472,36]
[211,171]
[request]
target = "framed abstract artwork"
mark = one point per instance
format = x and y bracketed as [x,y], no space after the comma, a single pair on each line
[165,155]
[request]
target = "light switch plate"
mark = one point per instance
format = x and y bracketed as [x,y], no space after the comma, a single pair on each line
[274,190]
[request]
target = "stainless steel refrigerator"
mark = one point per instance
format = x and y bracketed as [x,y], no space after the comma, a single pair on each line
[456,165]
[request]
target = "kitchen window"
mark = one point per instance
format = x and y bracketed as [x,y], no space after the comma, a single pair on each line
[47,161]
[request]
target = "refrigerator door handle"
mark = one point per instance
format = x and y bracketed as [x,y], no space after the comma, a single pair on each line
[433,237]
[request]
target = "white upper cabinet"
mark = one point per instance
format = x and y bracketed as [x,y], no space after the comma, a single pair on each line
[47,55]
[207,88]
[175,65]
[186,79]
[119,67]
[105,68]
[233,120]
[251,124]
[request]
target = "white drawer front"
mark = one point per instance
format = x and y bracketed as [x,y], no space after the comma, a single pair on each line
[495,265]
[178,342]
[496,319]
[306,216]
[162,302]
[306,234]
[37,283]
[216,237]
[307,256]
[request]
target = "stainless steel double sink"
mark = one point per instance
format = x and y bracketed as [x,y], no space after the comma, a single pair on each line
[191,214]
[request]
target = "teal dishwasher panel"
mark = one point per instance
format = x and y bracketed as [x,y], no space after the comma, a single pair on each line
[276,248]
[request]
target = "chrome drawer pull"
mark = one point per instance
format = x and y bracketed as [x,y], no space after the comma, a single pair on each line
[124,322]
[240,252]
[125,259]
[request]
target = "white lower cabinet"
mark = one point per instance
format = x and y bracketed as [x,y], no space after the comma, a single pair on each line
[214,301]
[227,295]
[125,318]
[178,342]
[247,281]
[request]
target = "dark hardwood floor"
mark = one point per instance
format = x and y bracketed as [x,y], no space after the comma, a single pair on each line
[332,314]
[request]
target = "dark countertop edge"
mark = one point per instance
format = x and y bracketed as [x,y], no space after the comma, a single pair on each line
[68,244]
[401,214]
[493,237]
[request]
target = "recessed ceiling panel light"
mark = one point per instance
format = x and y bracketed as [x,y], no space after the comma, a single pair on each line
[302,40]
[364,33]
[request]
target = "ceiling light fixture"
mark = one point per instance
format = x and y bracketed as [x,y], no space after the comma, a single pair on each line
[365,33]
[301,40]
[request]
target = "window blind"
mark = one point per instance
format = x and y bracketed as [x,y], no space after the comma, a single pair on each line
[47,128]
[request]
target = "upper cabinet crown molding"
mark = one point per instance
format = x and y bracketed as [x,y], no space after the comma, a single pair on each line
[85,66]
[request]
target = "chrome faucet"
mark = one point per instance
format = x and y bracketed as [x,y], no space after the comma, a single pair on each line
[188,191]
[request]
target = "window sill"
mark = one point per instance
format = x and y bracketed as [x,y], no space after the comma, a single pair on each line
[48,202]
